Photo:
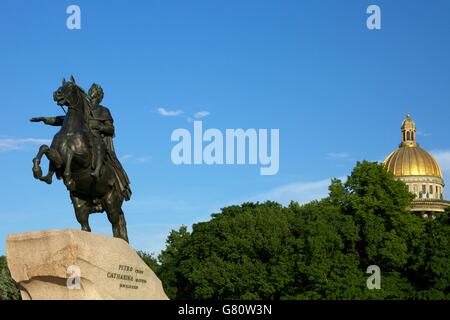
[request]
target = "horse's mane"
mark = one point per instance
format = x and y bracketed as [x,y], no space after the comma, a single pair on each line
[79,88]
[87,108]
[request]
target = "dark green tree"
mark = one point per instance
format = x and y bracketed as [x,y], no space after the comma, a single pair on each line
[149,260]
[8,289]
[243,252]
[320,250]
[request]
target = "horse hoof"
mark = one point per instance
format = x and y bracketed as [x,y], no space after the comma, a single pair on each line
[37,172]
[47,180]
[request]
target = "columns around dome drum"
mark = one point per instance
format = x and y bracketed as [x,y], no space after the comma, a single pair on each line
[425,187]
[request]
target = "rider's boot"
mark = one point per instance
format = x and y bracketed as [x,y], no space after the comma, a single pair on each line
[99,164]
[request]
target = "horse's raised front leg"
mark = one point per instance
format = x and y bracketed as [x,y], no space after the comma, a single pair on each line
[48,178]
[68,181]
[37,171]
[54,163]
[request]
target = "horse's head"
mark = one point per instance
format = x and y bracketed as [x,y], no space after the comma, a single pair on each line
[69,94]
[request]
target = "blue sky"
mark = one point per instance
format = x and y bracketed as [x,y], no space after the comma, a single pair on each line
[336,90]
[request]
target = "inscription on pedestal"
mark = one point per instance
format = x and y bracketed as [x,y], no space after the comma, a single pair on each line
[128,277]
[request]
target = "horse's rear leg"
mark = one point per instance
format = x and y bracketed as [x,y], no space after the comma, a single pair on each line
[113,202]
[119,226]
[82,211]
[123,226]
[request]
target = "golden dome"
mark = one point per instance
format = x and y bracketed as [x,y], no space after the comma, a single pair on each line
[419,171]
[412,161]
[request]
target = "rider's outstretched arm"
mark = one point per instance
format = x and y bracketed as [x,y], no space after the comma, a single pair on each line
[57,121]
[51,121]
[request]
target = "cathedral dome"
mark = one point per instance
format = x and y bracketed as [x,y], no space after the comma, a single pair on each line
[418,170]
[412,161]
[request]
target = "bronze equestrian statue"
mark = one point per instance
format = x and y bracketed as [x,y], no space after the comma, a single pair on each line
[82,154]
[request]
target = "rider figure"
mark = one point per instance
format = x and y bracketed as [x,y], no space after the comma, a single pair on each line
[101,125]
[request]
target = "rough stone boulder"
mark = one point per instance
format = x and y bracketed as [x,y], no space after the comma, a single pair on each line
[73,264]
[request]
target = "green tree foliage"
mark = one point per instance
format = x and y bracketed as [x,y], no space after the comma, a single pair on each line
[8,290]
[149,260]
[319,250]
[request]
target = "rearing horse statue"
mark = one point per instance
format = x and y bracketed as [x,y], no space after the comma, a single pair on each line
[71,155]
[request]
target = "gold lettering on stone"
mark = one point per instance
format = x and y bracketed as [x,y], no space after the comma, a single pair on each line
[122,275]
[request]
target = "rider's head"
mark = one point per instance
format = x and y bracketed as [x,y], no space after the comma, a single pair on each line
[95,94]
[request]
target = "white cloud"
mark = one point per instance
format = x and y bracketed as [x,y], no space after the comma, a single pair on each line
[169,113]
[423,133]
[443,159]
[338,155]
[201,114]
[174,113]
[10,144]
[135,159]
[302,192]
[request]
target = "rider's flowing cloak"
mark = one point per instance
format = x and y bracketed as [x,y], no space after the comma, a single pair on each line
[121,175]
[122,181]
